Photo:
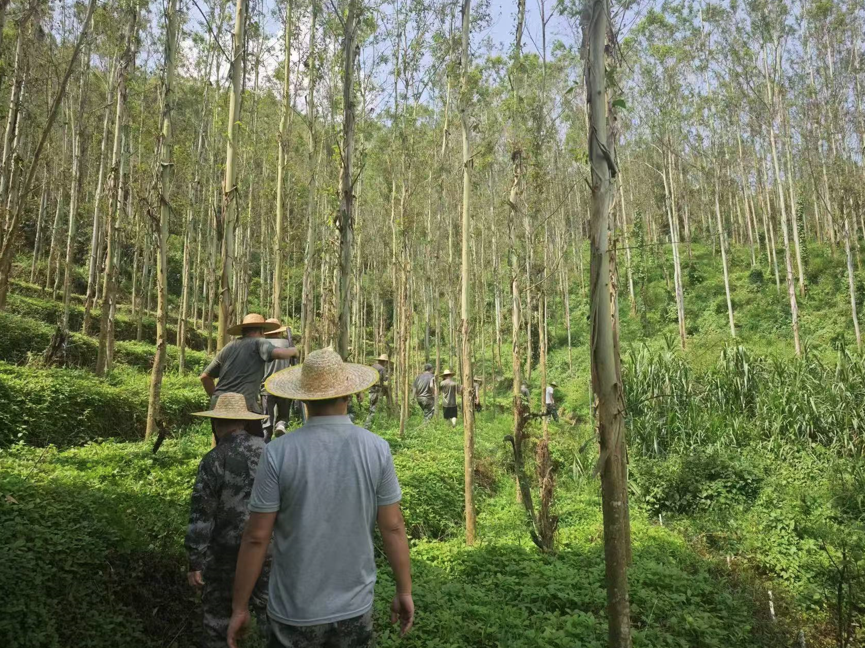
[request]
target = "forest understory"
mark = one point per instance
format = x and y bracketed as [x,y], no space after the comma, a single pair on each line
[745,469]
[657,205]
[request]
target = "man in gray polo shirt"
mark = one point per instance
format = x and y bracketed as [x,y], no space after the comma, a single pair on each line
[318,494]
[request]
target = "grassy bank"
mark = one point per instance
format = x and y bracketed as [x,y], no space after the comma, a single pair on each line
[109,567]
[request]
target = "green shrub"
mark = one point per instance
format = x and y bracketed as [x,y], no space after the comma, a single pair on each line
[97,538]
[698,481]
[69,407]
[125,327]
[756,277]
[432,488]
[21,338]
[694,276]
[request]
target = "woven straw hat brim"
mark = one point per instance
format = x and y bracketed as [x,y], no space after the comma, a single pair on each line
[237,329]
[216,414]
[281,329]
[353,378]
[239,416]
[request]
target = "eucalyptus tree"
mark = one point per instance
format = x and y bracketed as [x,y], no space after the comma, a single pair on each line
[465,283]
[345,224]
[162,217]
[606,364]
[283,143]
[78,153]
[119,161]
[229,212]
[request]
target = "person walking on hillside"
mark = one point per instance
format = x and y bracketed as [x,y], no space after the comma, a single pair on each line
[424,391]
[318,494]
[525,395]
[239,366]
[550,402]
[381,389]
[278,410]
[477,395]
[449,390]
[218,514]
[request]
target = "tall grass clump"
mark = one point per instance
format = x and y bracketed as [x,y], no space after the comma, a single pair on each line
[745,398]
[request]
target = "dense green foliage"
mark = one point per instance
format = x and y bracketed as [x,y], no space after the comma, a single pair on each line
[109,567]
[70,407]
[746,476]
[23,339]
[125,327]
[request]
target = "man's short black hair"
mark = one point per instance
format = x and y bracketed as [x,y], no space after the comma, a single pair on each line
[248,331]
[427,367]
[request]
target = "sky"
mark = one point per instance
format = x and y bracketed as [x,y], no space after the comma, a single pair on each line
[503,18]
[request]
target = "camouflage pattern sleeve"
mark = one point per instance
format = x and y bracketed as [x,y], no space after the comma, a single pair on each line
[202,514]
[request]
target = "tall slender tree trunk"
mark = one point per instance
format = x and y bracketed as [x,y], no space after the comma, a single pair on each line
[227,314]
[851,280]
[465,293]
[96,232]
[115,188]
[794,218]
[308,299]
[166,172]
[40,220]
[752,233]
[632,300]
[723,244]
[18,75]
[75,191]
[278,246]
[54,242]
[606,363]
[788,264]
[677,263]
[346,179]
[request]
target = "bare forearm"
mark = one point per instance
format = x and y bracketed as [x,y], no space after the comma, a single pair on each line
[250,560]
[396,550]
[208,383]
[285,354]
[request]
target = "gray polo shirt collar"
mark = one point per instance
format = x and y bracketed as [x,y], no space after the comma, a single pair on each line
[328,420]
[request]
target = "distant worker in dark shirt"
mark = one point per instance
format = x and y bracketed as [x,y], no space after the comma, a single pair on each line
[379,390]
[239,366]
[278,409]
[424,391]
[449,390]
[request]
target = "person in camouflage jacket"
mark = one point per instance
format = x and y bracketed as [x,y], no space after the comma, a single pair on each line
[218,514]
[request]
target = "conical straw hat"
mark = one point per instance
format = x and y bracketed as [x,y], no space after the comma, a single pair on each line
[383,358]
[231,406]
[447,372]
[323,375]
[280,328]
[253,320]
